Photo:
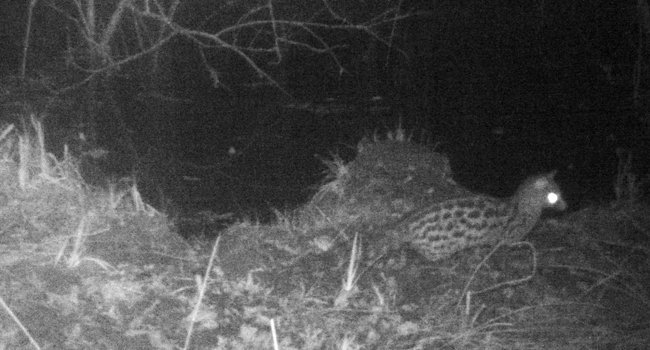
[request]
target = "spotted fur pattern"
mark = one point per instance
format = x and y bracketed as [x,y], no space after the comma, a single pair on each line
[445,228]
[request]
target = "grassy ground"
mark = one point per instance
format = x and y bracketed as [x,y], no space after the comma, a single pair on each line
[89,268]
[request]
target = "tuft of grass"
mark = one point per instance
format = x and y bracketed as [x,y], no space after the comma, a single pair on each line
[201,284]
[349,287]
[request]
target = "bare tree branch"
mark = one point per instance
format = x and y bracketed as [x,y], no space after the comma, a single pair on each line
[259,35]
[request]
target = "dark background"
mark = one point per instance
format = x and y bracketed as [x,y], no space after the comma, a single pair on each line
[504,88]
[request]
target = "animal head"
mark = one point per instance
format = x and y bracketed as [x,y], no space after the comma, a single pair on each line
[542,191]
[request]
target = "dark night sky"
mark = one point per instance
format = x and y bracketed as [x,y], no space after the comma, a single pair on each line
[506,87]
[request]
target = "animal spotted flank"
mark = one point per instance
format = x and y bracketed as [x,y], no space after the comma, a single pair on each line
[447,227]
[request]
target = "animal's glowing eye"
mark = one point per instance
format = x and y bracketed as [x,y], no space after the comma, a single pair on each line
[552,197]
